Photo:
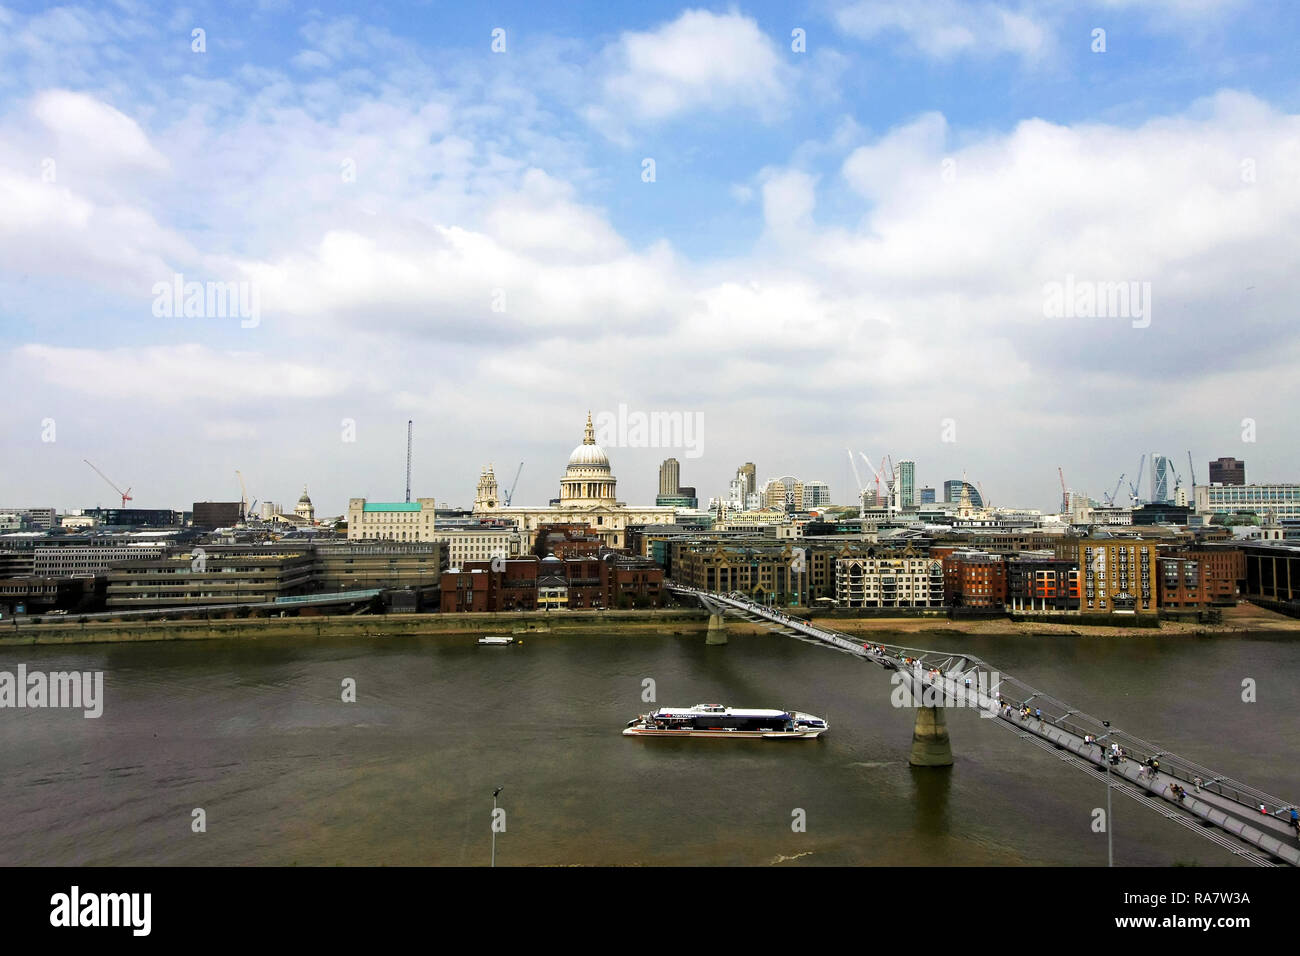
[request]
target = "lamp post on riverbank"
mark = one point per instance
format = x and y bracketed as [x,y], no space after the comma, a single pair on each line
[1110,845]
[494,824]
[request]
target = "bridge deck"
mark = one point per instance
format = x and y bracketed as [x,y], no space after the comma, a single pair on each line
[1211,800]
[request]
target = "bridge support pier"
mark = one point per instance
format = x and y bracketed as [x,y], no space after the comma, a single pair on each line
[717,630]
[930,744]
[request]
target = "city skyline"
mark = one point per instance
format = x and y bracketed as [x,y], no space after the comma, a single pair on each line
[841,495]
[813,225]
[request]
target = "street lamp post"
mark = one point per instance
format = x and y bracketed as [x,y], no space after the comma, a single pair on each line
[494,824]
[1110,844]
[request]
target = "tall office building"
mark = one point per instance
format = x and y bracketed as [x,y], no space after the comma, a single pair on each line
[750,475]
[1227,471]
[816,494]
[785,492]
[952,492]
[927,496]
[1160,484]
[670,477]
[904,485]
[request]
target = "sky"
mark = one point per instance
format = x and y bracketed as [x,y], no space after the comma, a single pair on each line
[809,226]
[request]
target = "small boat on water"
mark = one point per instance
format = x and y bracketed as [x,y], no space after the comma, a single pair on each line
[716,720]
[493,640]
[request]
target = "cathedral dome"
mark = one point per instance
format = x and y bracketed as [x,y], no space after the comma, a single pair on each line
[588,456]
[588,480]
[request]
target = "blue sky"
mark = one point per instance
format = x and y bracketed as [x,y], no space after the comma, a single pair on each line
[845,246]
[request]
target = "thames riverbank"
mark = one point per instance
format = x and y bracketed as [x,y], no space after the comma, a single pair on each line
[1241,620]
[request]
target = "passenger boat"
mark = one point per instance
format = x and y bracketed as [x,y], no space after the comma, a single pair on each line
[716,720]
[495,640]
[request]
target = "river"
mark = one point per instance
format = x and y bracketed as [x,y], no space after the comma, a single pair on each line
[257,735]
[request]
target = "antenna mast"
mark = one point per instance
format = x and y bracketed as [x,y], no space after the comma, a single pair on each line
[408,461]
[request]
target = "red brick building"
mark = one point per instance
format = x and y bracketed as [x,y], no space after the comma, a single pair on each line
[610,580]
[1199,577]
[974,579]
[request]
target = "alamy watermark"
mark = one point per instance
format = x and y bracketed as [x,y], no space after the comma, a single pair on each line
[179,299]
[128,910]
[942,690]
[1085,299]
[637,429]
[76,690]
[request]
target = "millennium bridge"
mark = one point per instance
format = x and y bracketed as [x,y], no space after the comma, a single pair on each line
[1246,821]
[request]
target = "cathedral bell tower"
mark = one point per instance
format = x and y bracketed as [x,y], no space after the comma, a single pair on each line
[486,498]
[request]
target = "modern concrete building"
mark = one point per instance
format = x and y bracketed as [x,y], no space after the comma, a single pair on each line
[217,578]
[39,519]
[1227,471]
[1265,501]
[816,494]
[210,515]
[670,475]
[94,557]
[379,564]
[137,517]
[37,595]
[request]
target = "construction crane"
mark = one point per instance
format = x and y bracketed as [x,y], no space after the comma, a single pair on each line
[983,501]
[857,483]
[1191,467]
[510,494]
[408,461]
[126,495]
[1135,485]
[1065,495]
[1110,498]
[889,484]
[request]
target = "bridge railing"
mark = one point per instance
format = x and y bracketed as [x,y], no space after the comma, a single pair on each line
[1017,693]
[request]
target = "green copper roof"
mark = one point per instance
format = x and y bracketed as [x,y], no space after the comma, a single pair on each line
[392,506]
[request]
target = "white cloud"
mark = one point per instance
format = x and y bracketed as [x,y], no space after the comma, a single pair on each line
[945,28]
[788,199]
[700,61]
[181,374]
[85,125]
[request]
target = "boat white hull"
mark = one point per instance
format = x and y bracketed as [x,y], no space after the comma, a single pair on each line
[729,734]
